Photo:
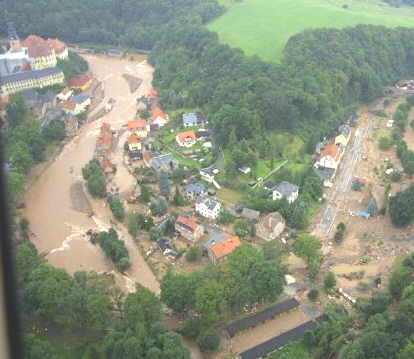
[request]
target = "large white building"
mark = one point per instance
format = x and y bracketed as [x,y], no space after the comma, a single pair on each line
[208,207]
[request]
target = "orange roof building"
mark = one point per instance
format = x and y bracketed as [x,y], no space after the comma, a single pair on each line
[57,45]
[331,150]
[189,227]
[186,139]
[222,249]
[81,82]
[104,142]
[137,124]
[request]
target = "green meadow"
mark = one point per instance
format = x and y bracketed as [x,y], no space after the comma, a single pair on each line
[262,27]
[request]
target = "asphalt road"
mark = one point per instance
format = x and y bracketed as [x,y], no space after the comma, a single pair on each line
[342,183]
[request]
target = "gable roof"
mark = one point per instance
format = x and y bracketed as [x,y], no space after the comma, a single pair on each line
[81,98]
[224,248]
[132,125]
[133,139]
[250,213]
[286,188]
[344,130]
[79,81]
[37,46]
[331,150]
[157,112]
[215,237]
[209,202]
[190,118]
[69,105]
[187,222]
[195,187]
[57,45]
[105,139]
[187,134]
[27,75]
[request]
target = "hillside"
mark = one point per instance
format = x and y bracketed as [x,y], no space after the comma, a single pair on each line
[263,27]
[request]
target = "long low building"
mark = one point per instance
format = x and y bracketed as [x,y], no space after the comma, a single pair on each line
[261,317]
[270,346]
[20,81]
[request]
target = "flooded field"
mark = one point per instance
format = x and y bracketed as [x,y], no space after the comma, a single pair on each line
[58,221]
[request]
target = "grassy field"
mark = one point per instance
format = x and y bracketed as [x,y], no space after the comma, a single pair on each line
[262,27]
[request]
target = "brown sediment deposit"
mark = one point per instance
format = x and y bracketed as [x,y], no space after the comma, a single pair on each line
[59,210]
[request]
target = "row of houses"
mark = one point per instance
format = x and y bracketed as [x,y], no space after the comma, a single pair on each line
[330,153]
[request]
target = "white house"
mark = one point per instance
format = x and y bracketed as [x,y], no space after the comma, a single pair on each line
[65,95]
[207,174]
[208,207]
[330,157]
[285,190]
[186,139]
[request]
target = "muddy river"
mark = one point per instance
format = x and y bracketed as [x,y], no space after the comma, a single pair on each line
[59,229]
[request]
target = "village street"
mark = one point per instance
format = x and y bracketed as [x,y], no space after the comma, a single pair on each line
[59,228]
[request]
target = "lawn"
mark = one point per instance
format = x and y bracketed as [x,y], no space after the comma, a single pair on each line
[262,27]
[230,195]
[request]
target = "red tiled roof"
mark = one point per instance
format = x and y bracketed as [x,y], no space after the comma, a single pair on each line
[153,93]
[331,150]
[184,135]
[105,164]
[188,221]
[133,139]
[136,124]
[224,248]
[79,81]
[157,112]
[70,105]
[37,46]
[57,45]
[147,157]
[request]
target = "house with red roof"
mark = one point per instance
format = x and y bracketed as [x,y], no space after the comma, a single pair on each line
[186,139]
[82,82]
[134,143]
[219,251]
[330,156]
[189,227]
[59,47]
[158,118]
[139,127]
[41,54]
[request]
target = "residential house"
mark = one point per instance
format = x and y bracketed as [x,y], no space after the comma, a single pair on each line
[194,190]
[203,134]
[189,227]
[60,48]
[105,140]
[160,162]
[215,237]
[65,94]
[193,119]
[285,190]
[41,54]
[219,251]
[107,166]
[77,104]
[208,174]
[208,207]
[270,186]
[343,136]
[186,139]
[159,118]
[245,170]
[139,127]
[134,143]
[167,249]
[330,157]
[82,82]
[270,226]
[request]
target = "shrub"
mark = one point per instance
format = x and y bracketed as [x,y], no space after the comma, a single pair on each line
[192,327]
[384,143]
[330,281]
[313,294]
[117,208]
[209,340]
[193,254]
[395,176]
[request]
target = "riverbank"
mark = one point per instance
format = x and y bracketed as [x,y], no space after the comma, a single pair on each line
[59,227]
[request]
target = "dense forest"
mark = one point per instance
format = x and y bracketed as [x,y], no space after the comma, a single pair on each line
[133,23]
[89,308]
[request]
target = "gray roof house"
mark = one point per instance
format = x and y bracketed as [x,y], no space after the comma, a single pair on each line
[286,190]
[215,237]
[195,189]
[250,214]
[193,119]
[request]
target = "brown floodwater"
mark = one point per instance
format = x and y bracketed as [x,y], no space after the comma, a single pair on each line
[59,230]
